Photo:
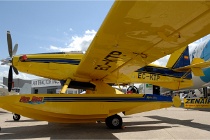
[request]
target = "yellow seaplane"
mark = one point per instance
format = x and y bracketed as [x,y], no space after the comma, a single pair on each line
[133,35]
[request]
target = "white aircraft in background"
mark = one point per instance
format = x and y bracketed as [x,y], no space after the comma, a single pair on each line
[201,50]
[198,56]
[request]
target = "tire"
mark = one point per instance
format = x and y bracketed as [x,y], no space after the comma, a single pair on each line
[16,117]
[114,122]
[132,90]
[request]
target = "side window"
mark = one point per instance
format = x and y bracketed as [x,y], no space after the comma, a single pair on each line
[51,91]
[35,91]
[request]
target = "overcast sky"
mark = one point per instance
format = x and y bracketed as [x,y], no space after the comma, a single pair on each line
[46,26]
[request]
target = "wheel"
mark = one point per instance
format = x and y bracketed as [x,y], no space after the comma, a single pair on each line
[16,117]
[114,122]
[132,89]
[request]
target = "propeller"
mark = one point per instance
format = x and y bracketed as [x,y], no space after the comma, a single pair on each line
[8,61]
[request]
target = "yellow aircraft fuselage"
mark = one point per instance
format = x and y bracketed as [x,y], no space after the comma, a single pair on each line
[95,105]
[133,34]
[62,66]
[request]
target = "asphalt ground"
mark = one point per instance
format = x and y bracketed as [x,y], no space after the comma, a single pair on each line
[170,123]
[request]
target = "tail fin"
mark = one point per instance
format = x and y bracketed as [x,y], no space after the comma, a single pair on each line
[196,67]
[179,58]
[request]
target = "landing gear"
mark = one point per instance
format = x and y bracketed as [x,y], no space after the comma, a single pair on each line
[114,122]
[132,89]
[16,117]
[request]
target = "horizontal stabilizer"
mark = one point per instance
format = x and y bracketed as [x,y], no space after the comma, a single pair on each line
[196,67]
[197,61]
[197,71]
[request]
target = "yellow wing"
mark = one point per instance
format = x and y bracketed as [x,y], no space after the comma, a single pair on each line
[136,33]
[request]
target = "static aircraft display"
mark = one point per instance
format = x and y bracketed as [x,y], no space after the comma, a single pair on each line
[202,50]
[133,34]
[199,57]
[193,62]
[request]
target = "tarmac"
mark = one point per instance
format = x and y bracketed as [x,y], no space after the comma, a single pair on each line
[170,123]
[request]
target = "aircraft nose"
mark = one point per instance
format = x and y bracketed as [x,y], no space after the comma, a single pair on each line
[15,60]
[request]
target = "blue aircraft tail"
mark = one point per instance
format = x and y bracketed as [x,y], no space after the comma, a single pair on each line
[179,58]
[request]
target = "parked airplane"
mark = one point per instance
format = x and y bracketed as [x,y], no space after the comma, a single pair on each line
[202,50]
[197,56]
[134,34]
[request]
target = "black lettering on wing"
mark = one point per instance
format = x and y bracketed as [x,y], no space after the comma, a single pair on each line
[110,58]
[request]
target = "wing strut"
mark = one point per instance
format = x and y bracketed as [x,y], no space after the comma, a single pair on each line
[65,86]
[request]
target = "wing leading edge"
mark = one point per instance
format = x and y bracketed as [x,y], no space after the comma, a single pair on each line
[136,33]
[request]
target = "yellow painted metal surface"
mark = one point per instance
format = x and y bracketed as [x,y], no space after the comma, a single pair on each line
[63,71]
[196,67]
[170,81]
[197,71]
[52,66]
[176,101]
[69,108]
[174,57]
[65,86]
[136,33]
[147,107]
[197,61]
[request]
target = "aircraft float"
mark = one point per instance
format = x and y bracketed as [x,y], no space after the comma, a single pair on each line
[133,35]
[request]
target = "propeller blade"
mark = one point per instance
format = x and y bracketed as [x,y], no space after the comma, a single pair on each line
[14,50]
[10,79]
[9,42]
[15,70]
